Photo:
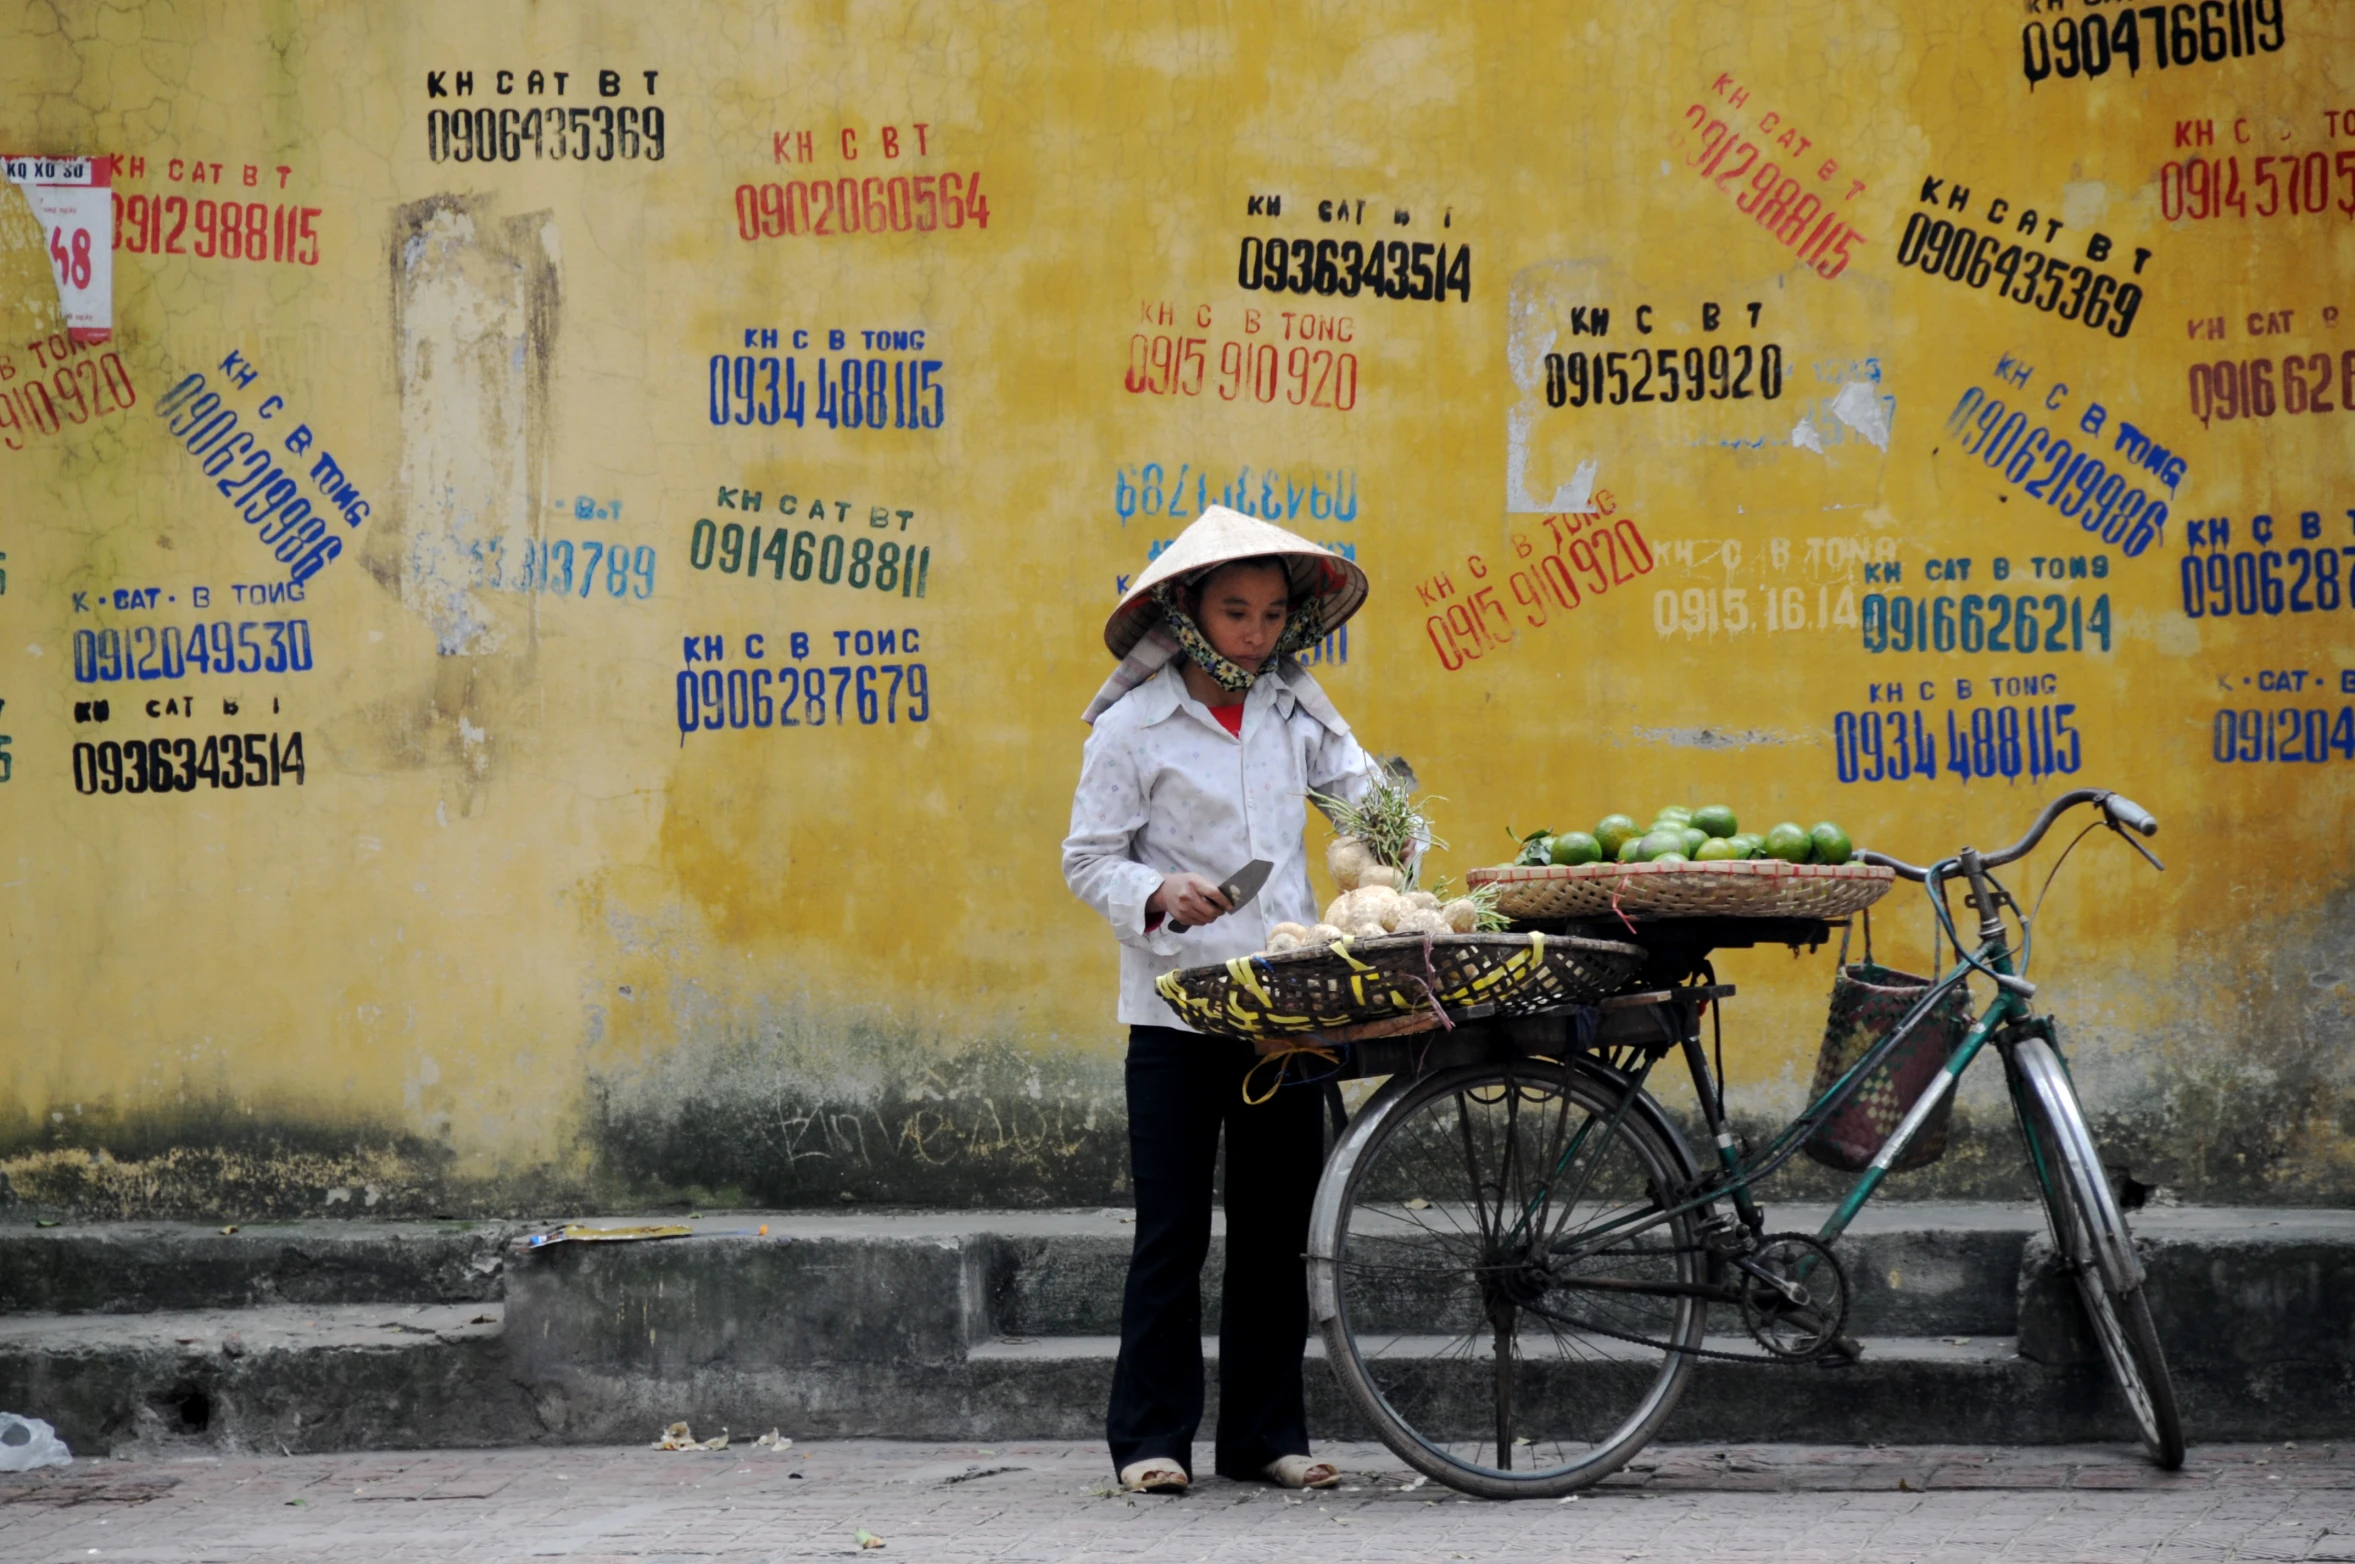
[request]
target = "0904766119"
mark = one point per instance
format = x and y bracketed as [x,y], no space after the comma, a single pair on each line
[2180,34]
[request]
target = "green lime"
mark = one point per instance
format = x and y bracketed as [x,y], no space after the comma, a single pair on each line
[1748,841]
[1694,836]
[1613,830]
[1716,819]
[1575,847]
[1630,851]
[1718,849]
[1676,812]
[1661,840]
[1672,858]
[1831,843]
[1789,843]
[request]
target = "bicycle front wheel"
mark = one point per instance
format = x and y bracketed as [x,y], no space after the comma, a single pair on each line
[2089,1234]
[1484,1299]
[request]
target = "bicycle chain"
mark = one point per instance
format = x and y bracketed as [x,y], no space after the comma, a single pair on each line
[1669,1346]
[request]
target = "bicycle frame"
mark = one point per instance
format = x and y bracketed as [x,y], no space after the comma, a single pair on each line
[1737,1175]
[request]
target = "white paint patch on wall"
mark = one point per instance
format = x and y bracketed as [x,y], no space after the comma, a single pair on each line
[1535,316]
[1866,411]
[473,308]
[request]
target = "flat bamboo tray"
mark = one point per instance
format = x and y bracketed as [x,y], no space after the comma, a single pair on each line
[1738,888]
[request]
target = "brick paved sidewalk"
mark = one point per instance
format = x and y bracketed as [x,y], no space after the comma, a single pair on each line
[1050,1501]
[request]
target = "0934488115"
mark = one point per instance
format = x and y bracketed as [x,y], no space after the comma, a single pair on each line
[1987,742]
[852,393]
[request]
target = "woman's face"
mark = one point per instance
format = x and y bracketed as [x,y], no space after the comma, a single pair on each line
[1242,611]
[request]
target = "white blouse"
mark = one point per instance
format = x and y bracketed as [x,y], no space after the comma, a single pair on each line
[1163,789]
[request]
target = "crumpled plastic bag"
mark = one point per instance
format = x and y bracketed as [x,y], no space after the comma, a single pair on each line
[27,1443]
[680,1437]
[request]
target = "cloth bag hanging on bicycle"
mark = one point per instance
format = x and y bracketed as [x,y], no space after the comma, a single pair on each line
[1868,1000]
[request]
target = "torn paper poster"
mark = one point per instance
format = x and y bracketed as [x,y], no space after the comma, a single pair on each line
[74,199]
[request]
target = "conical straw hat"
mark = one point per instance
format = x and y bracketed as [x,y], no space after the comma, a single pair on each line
[1220,536]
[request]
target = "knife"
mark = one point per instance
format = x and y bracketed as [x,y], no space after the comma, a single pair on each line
[1239,887]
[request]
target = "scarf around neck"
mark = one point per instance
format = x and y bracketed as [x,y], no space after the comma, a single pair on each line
[1301,631]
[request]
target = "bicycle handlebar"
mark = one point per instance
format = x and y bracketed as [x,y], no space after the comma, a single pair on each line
[2121,812]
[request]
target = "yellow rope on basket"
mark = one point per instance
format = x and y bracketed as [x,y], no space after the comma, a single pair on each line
[1279,1056]
[1239,971]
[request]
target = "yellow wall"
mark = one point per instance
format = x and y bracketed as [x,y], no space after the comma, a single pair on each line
[516,937]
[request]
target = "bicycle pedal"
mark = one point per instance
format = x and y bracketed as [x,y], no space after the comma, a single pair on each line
[1840,1352]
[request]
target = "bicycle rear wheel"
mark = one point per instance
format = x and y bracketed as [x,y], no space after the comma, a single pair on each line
[2089,1234]
[1479,1302]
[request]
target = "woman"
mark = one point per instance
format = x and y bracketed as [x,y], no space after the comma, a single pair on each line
[1207,737]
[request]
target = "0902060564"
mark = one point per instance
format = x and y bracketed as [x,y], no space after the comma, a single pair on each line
[875,204]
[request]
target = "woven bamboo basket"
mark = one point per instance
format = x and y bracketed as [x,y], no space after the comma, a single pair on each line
[1735,888]
[1353,981]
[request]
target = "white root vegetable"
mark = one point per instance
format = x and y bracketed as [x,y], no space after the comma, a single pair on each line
[1323,934]
[1420,921]
[1296,932]
[1369,929]
[1424,900]
[1346,859]
[1462,914]
[1376,904]
[1280,942]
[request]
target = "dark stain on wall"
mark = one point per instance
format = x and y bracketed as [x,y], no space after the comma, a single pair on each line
[877,1115]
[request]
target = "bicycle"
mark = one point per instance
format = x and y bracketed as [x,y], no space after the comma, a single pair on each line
[1513,1252]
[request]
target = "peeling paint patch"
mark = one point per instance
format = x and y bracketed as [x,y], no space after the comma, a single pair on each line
[1803,435]
[1866,411]
[475,310]
[1712,738]
[1533,323]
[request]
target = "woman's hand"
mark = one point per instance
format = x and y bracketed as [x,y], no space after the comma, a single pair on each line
[1188,899]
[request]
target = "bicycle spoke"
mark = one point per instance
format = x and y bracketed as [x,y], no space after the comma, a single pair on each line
[1459,1322]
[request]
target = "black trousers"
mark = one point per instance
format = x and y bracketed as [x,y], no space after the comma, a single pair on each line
[1183,1088]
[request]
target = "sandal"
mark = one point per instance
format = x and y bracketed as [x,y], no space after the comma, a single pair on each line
[1303,1471]
[1154,1474]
